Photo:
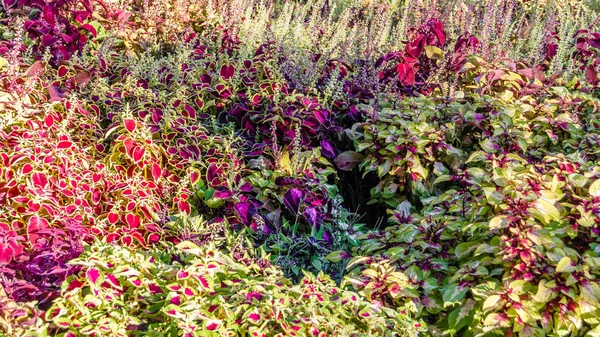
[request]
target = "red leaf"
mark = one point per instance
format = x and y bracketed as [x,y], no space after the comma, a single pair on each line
[212,326]
[133,221]
[96,196]
[156,172]
[138,153]
[89,28]
[127,240]
[62,71]
[184,207]
[112,237]
[65,144]
[27,168]
[113,218]
[48,15]
[6,254]
[190,110]
[49,121]
[153,238]
[406,74]
[39,179]
[129,124]
[129,145]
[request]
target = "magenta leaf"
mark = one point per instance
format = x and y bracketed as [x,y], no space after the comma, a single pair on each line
[292,199]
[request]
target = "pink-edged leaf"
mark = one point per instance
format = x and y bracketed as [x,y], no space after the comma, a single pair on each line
[55,94]
[129,124]
[39,179]
[83,77]
[36,69]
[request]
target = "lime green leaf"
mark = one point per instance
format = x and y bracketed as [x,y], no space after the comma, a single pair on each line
[565,265]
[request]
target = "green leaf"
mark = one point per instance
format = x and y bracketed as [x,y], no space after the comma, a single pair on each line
[465,248]
[335,256]
[565,265]
[498,222]
[454,294]
[493,197]
[577,180]
[441,179]
[491,303]
[520,286]
[595,188]
[545,211]
[434,52]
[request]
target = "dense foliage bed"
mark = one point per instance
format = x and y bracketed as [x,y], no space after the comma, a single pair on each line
[299,168]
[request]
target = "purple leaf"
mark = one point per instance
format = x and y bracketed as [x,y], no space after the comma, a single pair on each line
[310,214]
[245,211]
[327,149]
[292,199]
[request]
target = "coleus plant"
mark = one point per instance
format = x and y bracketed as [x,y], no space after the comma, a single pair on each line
[504,240]
[238,297]
[58,28]
[412,67]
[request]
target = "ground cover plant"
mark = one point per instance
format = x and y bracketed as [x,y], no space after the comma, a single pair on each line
[299,168]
